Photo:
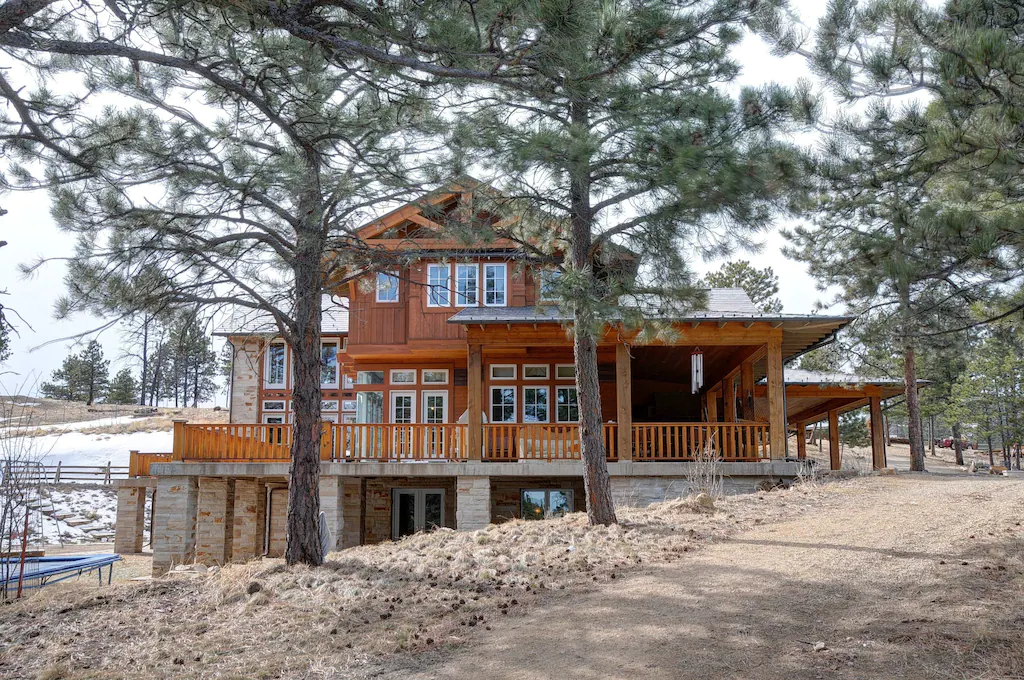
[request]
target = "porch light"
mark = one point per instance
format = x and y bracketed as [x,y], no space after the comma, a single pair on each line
[696,371]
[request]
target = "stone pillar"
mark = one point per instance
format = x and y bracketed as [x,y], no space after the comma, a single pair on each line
[352,508]
[215,520]
[131,519]
[472,503]
[333,506]
[249,520]
[174,523]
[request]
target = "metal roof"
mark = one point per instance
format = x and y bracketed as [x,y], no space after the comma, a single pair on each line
[799,376]
[246,321]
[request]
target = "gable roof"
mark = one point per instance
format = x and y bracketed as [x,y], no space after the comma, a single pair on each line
[414,210]
[246,321]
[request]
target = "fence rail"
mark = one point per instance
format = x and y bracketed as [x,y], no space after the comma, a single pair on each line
[60,473]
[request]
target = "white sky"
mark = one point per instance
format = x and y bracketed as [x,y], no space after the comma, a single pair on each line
[31,233]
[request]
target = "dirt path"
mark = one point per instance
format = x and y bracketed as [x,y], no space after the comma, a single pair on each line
[899,577]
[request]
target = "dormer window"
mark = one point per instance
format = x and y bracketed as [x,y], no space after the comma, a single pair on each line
[387,287]
[466,284]
[439,285]
[549,284]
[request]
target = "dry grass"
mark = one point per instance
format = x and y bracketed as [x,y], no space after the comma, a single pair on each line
[55,413]
[263,619]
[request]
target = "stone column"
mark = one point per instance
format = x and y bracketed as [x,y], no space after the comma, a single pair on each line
[249,520]
[472,503]
[332,505]
[174,522]
[215,520]
[352,503]
[131,519]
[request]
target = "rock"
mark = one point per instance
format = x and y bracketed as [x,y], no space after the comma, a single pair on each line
[704,501]
[254,588]
[214,569]
[820,647]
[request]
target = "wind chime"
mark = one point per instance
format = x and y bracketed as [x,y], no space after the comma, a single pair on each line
[696,371]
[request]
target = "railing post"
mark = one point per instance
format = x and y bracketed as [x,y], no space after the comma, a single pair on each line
[178,450]
[133,464]
[326,441]
[106,474]
[56,475]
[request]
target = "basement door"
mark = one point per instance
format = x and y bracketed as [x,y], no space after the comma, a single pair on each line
[415,510]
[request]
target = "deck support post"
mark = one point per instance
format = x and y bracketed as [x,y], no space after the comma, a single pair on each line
[174,524]
[747,389]
[332,504]
[215,525]
[178,448]
[249,520]
[801,440]
[877,433]
[624,402]
[474,390]
[776,399]
[131,519]
[833,440]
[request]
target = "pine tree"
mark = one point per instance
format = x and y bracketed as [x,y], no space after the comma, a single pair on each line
[607,121]
[761,285]
[287,156]
[82,377]
[66,382]
[123,389]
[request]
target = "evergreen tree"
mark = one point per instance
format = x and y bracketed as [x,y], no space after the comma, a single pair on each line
[66,382]
[82,377]
[761,285]
[123,389]
[611,120]
[275,173]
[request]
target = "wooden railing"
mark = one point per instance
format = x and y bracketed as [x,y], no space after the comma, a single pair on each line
[540,441]
[138,463]
[683,441]
[395,443]
[35,473]
[508,442]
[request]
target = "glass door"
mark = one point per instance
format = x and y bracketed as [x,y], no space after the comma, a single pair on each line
[403,408]
[414,510]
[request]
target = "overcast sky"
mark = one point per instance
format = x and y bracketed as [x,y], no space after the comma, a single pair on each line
[31,233]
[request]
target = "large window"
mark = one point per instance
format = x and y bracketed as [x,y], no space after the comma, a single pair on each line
[494,285]
[369,407]
[568,405]
[329,364]
[387,287]
[466,284]
[549,284]
[545,503]
[503,404]
[535,404]
[275,369]
[439,285]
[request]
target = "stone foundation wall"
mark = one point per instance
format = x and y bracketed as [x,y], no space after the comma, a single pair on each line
[174,523]
[215,520]
[278,522]
[639,492]
[472,503]
[377,503]
[131,519]
[249,520]
[352,511]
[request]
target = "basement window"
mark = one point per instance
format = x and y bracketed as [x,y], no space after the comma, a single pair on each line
[545,503]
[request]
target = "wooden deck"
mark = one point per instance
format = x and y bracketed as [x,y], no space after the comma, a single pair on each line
[413,443]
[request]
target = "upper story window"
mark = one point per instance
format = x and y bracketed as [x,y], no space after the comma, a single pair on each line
[565,371]
[466,284]
[503,371]
[370,377]
[403,377]
[494,285]
[274,374]
[329,364]
[387,287]
[568,405]
[438,285]
[549,284]
[435,376]
[535,372]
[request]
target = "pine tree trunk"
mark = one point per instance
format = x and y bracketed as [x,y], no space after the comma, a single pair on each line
[914,429]
[931,432]
[991,456]
[596,483]
[145,362]
[958,447]
[304,472]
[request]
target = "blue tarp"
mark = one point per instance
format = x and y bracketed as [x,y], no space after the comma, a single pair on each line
[40,571]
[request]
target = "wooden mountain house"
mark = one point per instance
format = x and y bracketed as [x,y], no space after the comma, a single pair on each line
[449,399]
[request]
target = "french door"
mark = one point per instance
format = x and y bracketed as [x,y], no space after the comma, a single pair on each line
[415,510]
[403,412]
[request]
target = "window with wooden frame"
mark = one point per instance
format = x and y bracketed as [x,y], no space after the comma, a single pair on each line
[439,284]
[503,371]
[565,372]
[434,376]
[329,364]
[275,367]
[535,371]
[503,404]
[402,376]
[495,285]
[435,406]
[549,284]
[535,404]
[387,287]
[274,405]
[467,285]
[567,406]
[370,377]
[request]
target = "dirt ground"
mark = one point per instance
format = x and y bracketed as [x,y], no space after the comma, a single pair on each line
[892,577]
[904,576]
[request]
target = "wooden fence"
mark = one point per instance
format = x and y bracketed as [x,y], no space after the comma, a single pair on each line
[60,473]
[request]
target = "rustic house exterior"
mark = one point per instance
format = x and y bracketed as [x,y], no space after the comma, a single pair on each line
[449,399]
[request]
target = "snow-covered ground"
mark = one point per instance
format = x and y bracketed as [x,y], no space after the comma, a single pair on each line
[72,427]
[71,513]
[75,448]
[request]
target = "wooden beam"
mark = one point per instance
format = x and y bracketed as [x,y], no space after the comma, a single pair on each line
[724,369]
[474,394]
[425,222]
[712,406]
[624,402]
[801,440]
[877,434]
[833,440]
[776,399]
[729,400]
[747,389]
[820,411]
